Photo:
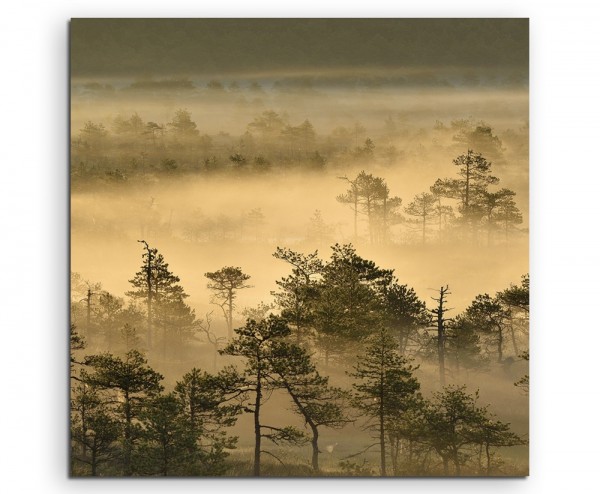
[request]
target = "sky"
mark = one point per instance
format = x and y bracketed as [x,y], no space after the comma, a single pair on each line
[109,47]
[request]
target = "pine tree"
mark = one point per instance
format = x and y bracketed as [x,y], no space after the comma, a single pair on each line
[130,383]
[167,446]
[159,288]
[491,318]
[94,431]
[423,207]
[208,407]
[318,403]
[454,425]
[384,387]
[225,283]
[255,342]
[347,304]
[297,291]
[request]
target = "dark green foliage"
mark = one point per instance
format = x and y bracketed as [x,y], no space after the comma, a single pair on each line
[404,314]
[517,296]
[167,315]
[490,318]
[297,292]
[384,389]
[463,346]
[454,426]
[255,342]
[94,431]
[167,446]
[319,404]
[123,424]
[129,383]
[208,406]
[452,419]
[347,301]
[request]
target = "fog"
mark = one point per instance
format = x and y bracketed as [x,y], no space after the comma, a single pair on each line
[107,221]
[201,220]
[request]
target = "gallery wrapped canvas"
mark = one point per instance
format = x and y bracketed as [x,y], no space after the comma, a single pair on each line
[299,247]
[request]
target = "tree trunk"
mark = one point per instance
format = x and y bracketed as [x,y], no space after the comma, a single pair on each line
[441,338]
[83,431]
[382,428]
[512,335]
[88,326]
[315,448]
[94,463]
[127,446]
[370,219]
[355,216]
[165,468]
[385,227]
[487,454]
[149,299]
[456,464]
[230,315]
[500,343]
[257,428]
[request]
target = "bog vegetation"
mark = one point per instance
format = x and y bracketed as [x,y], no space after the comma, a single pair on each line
[266,293]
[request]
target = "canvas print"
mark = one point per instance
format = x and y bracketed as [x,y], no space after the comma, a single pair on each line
[299,247]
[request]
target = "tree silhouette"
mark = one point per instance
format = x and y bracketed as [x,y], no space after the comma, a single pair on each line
[159,288]
[93,428]
[423,206]
[183,126]
[130,382]
[347,303]
[208,405]
[297,291]
[318,403]
[475,176]
[490,317]
[369,195]
[168,447]
[440,322]
[225,283]
[454,424]
[255,342]
[384,386]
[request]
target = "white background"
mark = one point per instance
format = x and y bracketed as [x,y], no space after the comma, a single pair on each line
[565,346]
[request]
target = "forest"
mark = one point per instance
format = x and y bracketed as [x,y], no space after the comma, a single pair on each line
[299,271]
[342,313]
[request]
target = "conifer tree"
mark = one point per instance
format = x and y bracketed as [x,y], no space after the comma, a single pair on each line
[384,387]
[255,342]
[225,283]
[318,403]
[130,383]
[164,299]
